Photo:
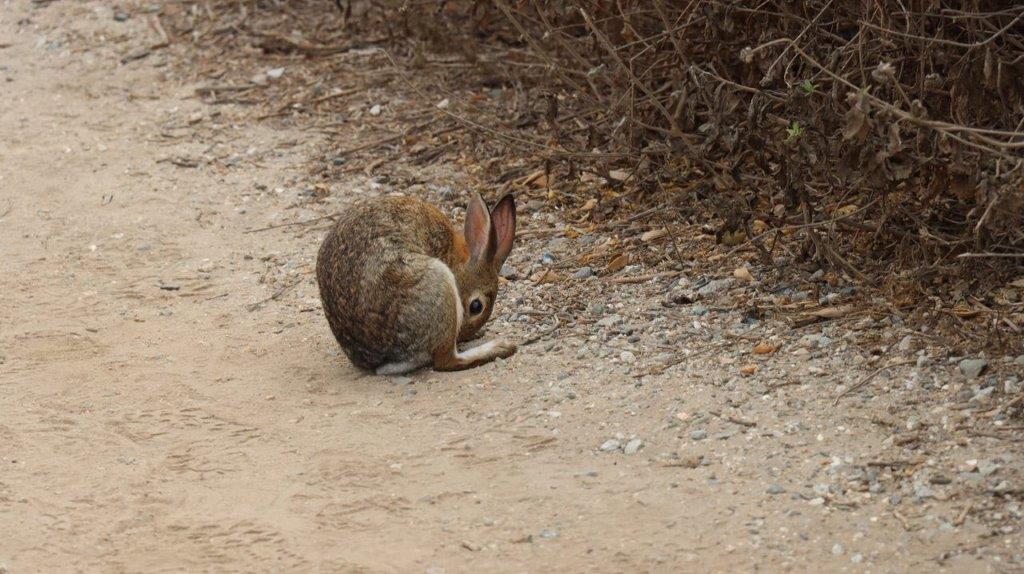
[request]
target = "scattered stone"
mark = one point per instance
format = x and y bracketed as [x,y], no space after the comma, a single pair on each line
[611,445]
[609,321]
[1019,361]
[699,434]
[698,310]
[401,381]
[983,394]
[837,549]
[905,343]
[508,272]
[987,467]
[715,286]
[1003,487]
[275,73]
[583,273]
[633,446]
[972,368]
[775,489]
[122,16]
[1012,386]
[549,534]
[627,357]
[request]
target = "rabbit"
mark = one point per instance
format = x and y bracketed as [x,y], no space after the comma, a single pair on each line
[401,286]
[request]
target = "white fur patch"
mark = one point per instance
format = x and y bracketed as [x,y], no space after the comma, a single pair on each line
[438,264]
[478,352]
[402,367]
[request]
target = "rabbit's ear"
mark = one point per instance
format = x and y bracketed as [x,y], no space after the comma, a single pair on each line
[478,232]
[503,219]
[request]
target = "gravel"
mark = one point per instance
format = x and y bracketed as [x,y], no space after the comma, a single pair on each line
[583,273]
[610,445]
[633,446]
[972,368]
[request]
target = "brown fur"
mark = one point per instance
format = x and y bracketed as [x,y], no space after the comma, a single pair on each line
[385,299]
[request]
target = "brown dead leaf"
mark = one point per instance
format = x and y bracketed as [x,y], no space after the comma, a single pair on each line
[764,348]
[743,274]
[536,179]
[546,276]
[589,205]
[964,311]
[653,234]
[618,263]
[618,175]
[733,238]
[832,312]
[747,370]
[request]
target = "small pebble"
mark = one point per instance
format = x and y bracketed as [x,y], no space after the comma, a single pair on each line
[699,434]
[583,273]
[633,446]
[972,368]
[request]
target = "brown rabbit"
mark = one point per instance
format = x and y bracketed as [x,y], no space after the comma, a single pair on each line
[400,286]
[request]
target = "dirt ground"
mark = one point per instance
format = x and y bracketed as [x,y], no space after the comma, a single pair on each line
[171,397]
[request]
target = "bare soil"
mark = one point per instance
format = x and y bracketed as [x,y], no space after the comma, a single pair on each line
[171,397]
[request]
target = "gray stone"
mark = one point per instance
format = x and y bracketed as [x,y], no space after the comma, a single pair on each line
[906,343]
[401,381]
[698,310]
[633,446]
[611,445]
[558,244]
[508,272]
[549,534]
[972,368]
[715,286]
[987,467]
[609,321]
[983,394]
[583,273]
[1019,361]
[699,434]
[775,489]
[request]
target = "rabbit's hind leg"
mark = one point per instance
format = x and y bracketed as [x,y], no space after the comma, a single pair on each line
[450,359]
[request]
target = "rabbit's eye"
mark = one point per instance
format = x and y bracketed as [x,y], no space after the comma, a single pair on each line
[476,307]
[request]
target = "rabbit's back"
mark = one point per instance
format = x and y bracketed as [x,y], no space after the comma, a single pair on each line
[376,268]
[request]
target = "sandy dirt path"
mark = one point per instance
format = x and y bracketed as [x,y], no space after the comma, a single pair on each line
[161,409]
